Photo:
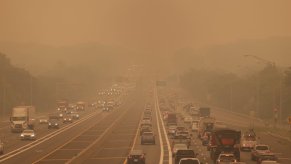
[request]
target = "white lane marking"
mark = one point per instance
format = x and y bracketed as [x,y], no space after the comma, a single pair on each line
[99,137]
[163,126]
[135,138]
[43,139]
[159,131]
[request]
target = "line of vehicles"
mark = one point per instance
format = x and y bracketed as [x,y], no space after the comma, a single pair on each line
[147,136]
[224,144]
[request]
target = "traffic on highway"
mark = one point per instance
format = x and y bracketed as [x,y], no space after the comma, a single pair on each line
[134,125]
[145,82]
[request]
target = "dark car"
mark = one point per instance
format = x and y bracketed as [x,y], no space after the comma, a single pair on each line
[184,153]
[53,123]
[148,138]
[136,156]
[67,118]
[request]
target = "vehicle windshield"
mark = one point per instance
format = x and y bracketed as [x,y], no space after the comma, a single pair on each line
[262,148]
[18,118]
[28,131]
[226,158]
[189,161]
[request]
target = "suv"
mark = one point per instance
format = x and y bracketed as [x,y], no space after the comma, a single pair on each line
[225,158]
[136,156]
[53,123]
[258,150]
[148,137]
[184,153]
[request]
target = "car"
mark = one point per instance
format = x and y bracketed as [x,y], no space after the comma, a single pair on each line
[181,128]
[53,123]
[146,123]
[148,138]
[184,153]
[189,161]
[187,142]
[145,129]
[67,118]
[187,119]
[258,150]
[177,147]
[136,157]
[247,143]
[205,138]
[267,157]
[194,127]
[226,158]
[182,135]
[75,115]
[28,134]
[1,147]
[172,130]
[43,121]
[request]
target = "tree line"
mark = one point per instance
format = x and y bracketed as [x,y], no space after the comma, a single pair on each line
[265,92]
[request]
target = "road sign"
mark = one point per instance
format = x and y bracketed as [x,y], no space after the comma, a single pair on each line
[289,120]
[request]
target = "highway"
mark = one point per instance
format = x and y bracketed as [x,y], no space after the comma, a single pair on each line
[108,137]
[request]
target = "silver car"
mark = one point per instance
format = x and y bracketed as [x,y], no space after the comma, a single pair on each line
[28,135]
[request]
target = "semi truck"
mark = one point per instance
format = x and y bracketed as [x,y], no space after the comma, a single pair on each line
[225,141]
[22,117]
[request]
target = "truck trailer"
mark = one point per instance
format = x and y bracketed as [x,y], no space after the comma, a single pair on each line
[22,117]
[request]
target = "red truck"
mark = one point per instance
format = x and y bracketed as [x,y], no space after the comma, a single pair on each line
[225,141]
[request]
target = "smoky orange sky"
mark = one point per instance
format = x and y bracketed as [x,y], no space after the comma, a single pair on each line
[162,25]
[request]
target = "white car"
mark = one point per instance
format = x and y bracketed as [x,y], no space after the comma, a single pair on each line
[194,127]
[172,130]
[188,119]
[226,158]
[177,147]
[28,135]
[43,121]
[189,161]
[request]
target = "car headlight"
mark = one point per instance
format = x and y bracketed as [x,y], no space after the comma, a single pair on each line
[56,123]
[32,135]
[49,123]
[22,135]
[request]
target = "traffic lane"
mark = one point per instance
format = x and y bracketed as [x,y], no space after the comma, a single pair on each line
[280,147]
[117,144]
[153,152]
[46,147]
[12,140]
